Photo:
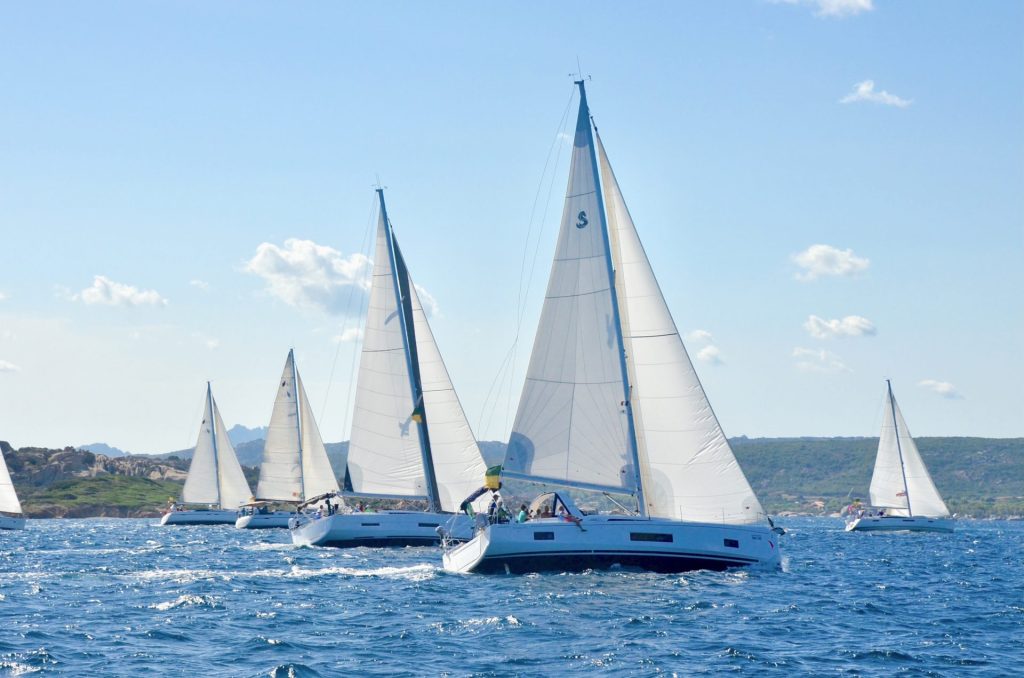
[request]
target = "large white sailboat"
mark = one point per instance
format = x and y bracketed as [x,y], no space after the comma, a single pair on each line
[903,496]
[612,405]
[410,439]
[295,467]
[216,485]
[11,516]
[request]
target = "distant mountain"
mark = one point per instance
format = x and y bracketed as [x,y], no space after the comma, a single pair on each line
[103,448]
[239,434]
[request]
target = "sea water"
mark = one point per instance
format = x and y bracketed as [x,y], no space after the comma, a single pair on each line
[128,598]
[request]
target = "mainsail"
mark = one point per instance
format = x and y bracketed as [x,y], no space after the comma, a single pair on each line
[901,482]
[403,385]
[8,497]
[604,324]
[214,476]
[295,466]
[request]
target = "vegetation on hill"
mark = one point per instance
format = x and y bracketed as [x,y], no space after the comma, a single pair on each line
[104,496]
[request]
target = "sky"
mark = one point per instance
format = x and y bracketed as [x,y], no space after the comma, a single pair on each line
[831,193]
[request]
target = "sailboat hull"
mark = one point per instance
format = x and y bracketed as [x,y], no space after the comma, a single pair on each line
[384,528]
[12,523]
[199,517]
[261,521]
[607,541]
[900,524]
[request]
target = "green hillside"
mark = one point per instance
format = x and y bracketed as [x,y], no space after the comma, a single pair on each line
[106,495]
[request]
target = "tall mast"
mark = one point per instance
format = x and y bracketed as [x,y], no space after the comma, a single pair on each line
[899,448]
[298,423]
[633,447]
[402,294]
[213,436]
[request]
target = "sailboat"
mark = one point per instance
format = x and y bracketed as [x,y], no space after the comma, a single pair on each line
[215,486]
[11,516]
[410,439]
[295,466]
[612,406]
[903,496]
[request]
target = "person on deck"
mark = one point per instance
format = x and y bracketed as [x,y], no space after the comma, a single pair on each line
[522,517]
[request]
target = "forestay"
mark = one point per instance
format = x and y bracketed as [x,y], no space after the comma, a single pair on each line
[384,448]
[918,495]
[317,472]
[8,497]
[689,471]
[571,426]
[214,476]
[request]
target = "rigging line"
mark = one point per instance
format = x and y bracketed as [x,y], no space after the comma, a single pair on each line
[536,251]
[347,316]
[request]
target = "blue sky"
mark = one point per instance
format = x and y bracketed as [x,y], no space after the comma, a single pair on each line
[185,190]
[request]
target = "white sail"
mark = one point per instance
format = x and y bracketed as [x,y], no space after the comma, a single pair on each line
[571,426]
[280,469]
[385,455]
[8,497]
[689,471]
[317,473]
[898,458]
[201,484]
[234,488]
[458,465]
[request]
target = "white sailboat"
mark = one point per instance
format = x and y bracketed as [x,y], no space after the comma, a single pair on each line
[11,516]
[903,496]
[216,485]
[410,439]
[612,405]
[295,467]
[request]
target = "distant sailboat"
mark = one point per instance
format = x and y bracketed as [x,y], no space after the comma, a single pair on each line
[903,496]
[295,467]
[11,516]
[612,405]
[216,484]
[410,438]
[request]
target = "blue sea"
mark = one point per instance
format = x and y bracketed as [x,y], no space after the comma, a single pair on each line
[127,598]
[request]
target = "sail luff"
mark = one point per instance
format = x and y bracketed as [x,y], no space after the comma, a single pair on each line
[299,394]
[233,488]
[201,484]
[317,473]
[8,496]
[280,468]
[213,436]
[899,448]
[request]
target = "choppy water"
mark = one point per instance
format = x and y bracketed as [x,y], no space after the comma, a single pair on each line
[124,597]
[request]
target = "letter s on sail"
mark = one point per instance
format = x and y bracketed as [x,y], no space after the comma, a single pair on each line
[581,220]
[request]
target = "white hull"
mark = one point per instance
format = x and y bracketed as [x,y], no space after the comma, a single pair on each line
[200,517]
[12,523]
[261,521]
[900,524]
[653,544]
[384,528]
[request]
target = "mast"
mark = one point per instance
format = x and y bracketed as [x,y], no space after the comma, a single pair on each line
[213,436]
[633,447]
[899,448]
[298,423]
[401,282]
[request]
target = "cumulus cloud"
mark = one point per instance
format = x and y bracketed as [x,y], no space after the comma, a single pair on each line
[348,335]
[201,284]
[8,367]
[3,296]
[850,326]
[818,261]
[865,91]
[942,388]
[698,336]
[710,354]
[836,9]
[307,275]
[818,360]
[106,292]
[428,302]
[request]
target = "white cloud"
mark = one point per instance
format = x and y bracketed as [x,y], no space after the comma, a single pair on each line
[8,367]
[943,388]
[710,354]
[3,296]
[307,275]
[850,326]
[201,284]
[106,292]
[836,9]
[428,302]
[822,260]
[865,91]
[350,334]
[818,360]
[698,336]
